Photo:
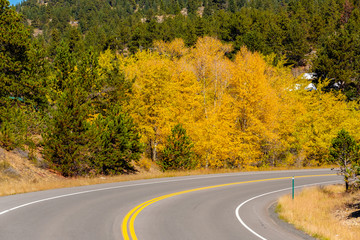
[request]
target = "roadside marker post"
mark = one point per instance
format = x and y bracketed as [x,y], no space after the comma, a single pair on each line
[293,186]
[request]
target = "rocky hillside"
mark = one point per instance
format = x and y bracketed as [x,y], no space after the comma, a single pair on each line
[15,165]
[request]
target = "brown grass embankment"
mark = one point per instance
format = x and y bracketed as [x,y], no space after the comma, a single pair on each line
[323,212]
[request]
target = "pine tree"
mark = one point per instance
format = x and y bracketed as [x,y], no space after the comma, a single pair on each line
[338,59]
[178,153]
[344,151]
[14,44]
[20,83]
[116,143]
[232,6]
[66,140]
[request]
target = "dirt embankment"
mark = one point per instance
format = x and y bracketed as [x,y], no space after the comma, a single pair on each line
[16,166]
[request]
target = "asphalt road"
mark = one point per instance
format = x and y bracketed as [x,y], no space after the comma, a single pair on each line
[223,206]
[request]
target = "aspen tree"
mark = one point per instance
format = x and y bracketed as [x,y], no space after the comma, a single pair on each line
[151,96]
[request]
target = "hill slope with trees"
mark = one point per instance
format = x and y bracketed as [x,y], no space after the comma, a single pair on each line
[99,85]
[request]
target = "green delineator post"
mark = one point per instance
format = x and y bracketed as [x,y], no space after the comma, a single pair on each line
[293,187]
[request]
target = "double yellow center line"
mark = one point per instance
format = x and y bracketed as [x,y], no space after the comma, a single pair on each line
[129,220]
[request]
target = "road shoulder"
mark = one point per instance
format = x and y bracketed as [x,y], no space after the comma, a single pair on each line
[284,225]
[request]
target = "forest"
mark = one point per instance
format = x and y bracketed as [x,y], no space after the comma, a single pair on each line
[98,86]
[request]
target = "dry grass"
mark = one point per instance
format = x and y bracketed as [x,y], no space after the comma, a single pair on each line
[317,212]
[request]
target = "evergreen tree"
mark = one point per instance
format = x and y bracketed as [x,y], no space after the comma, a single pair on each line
[64,64]
[295,43]
[76,43]
[116,143]
[232,6]
[14,44]
[254,41]
[199,27]
[65,140]
[338,60]
[344,151]
[136,39]
[12,125]
[178,152]
[20,83]
[54,39]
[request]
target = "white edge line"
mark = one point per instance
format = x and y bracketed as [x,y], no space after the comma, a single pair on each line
[139,184]
[268,193]
[110,188]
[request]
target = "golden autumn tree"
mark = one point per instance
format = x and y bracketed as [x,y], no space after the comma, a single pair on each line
[211,67]
[174,49]
[255,106]
[152,95]
[278,150]
[320,116]
[186,100]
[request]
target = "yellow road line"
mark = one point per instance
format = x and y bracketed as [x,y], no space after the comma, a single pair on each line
[129,219]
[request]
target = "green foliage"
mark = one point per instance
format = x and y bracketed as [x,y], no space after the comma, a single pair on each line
[338,59]
[293,29]
[87,133]
[14,44]
[18,59]
[116,143]
[178,153]
[76,146]
[289,29]
[13,126]
[64,64]
[65,140]
[22,74]
[344,151]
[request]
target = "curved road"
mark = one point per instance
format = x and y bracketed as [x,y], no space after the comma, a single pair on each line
[222,206]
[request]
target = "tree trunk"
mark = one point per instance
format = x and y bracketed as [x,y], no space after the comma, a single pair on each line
[346,185]
[153,146]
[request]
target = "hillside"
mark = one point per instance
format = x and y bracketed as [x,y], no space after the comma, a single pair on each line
[293,28]
[15,166]
[107,84]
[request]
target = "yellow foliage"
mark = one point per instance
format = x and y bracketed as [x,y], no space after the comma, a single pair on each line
[105,60]
[176,48]
[144,163]
[322,115]
[240,113]
[152,94]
